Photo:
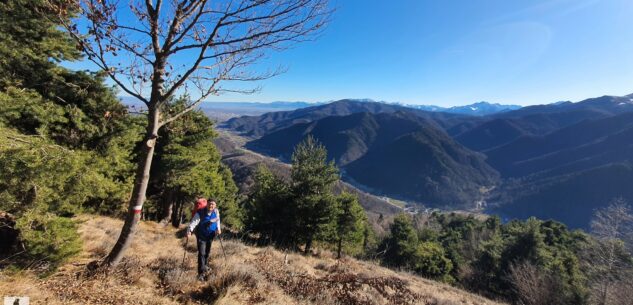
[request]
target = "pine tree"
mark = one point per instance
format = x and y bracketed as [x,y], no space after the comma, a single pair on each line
[312,181]
[66,141]
[401,245]
[270,210]
[351,223]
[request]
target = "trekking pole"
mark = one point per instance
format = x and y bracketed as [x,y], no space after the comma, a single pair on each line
[182,269]
[185,252]
[222,246]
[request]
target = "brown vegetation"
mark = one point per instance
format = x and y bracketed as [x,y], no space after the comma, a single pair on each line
[153,272]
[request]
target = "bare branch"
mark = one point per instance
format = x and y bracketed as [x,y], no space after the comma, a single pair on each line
[222,39]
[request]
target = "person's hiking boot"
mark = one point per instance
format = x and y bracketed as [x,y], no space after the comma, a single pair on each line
[201,277]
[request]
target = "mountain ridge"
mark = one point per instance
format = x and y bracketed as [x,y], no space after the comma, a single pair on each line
[482,108]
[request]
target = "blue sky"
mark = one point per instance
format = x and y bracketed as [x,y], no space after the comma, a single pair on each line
[449,52]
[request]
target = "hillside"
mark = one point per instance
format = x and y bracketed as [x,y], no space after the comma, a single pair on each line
[398,154]
[580,146]
[572,198]
[426,168]
[567,174]
[249,275]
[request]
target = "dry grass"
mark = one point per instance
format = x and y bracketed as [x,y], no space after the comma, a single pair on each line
[153,272]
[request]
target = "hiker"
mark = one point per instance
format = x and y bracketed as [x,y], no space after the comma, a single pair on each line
[206,223]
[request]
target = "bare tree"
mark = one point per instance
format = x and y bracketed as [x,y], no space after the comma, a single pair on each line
[155,49]
[534,286]
[609,261]
[615,222]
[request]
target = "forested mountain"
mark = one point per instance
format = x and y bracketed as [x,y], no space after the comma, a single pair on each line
[257,126]
[580,146]
[568,173]
[397,153]
[501,128]
[605,105]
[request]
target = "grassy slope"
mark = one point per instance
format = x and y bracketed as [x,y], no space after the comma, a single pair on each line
[152,273]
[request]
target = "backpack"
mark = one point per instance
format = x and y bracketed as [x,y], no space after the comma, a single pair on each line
[200,204]
[205,227]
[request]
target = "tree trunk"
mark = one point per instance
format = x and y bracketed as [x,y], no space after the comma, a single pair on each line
[138,193]
[339,247]
[308,245]
[604,294]
[167,213]
[365,239]
[175,215]
[181,213]
[167,209]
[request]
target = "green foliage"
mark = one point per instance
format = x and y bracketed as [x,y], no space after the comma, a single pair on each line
[66,141]
[548,245]
[269,209]
[81,137]
[481,254]
[312,181]
[351,225]
[41,175]
[311,173]
[306,210]
[232,211]
[403,249]
[30,44]
[49,240]
[42,183]
[430,260]
[402,242]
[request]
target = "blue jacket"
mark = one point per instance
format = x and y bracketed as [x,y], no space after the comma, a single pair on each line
[205,225]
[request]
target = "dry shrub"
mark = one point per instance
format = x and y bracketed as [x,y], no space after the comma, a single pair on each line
[173,276]
[101,250]
[534,286]
[443,302]
[339,266]
[322,266]
[339,286]
[231,247]
[220,282]
[622,291]
[249,276]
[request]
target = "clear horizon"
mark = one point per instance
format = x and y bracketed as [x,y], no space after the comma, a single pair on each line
[453,53]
